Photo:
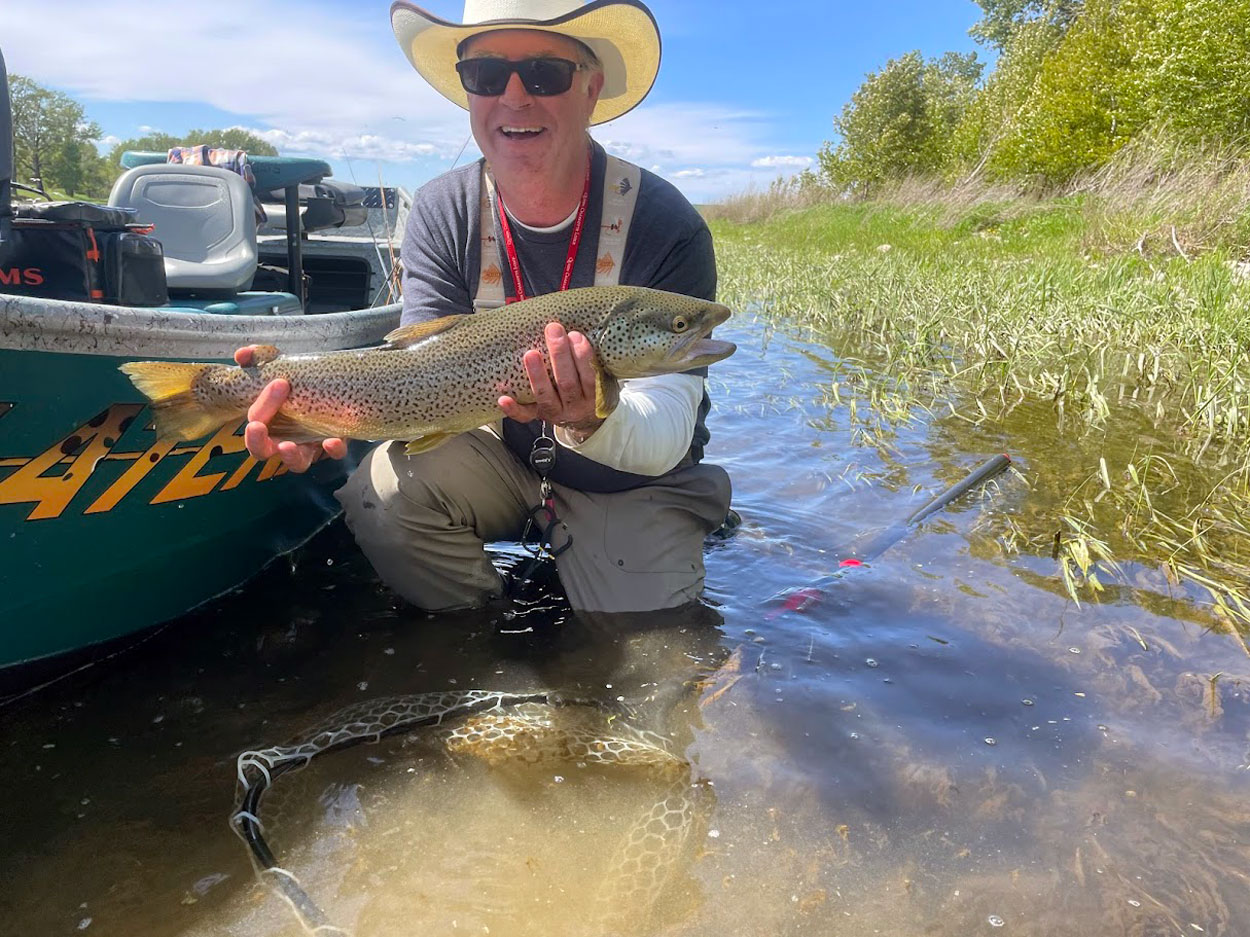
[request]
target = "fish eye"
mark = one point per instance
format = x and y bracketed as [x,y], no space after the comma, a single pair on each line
[680,324]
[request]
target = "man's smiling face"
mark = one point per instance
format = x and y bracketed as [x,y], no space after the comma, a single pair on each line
[523,133]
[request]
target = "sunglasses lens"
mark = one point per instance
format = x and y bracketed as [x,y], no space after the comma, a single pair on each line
[546,76]
[486,77]
[489,77]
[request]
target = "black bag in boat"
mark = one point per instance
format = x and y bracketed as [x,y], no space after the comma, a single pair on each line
[84,252]
[47,259]
[132,267]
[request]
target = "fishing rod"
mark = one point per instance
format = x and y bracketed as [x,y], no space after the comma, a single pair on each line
[802,599]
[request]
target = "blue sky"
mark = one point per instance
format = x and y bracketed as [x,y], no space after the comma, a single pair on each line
[746,91]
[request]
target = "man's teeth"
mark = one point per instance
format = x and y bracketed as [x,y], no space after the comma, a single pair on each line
[511,130]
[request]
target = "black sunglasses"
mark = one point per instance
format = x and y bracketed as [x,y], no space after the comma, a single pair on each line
[542,77]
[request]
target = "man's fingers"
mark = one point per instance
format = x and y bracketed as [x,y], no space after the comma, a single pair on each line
[546,399]
[334,448]
[522,413]
[295,456]
[584,358]
[563,364]
[256,438]
[243,356]
[266,404]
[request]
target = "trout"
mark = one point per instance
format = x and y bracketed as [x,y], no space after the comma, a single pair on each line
[436,379]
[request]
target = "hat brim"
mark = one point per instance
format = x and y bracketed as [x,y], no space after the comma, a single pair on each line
[622,33]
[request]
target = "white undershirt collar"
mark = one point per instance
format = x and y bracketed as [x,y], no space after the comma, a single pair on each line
[552,229]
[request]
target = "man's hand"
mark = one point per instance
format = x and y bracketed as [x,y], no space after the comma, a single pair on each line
[569,400]
[296,456]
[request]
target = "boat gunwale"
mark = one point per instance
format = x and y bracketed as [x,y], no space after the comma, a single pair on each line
[81,328]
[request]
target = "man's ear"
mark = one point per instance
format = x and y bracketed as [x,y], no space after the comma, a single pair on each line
[594,87]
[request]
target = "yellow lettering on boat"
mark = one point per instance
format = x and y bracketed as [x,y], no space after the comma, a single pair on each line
[267,471]
[53,493]
[132,476]
[188,483]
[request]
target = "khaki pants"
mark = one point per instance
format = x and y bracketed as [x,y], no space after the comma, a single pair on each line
[422,522]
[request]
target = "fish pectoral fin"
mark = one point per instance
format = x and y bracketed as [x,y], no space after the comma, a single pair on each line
[407,335]
[607,393]
[427,442]
[286,427]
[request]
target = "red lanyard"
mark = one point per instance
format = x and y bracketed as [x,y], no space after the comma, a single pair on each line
[514,264]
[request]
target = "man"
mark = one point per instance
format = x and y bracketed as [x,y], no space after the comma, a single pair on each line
[546,209]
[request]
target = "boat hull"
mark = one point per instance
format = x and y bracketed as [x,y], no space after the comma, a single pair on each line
[104,530]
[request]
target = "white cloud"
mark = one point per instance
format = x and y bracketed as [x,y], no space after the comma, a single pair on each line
[312,81]
[782,162]
[299,67]
[330,145]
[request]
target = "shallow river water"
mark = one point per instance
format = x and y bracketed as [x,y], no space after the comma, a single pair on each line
[946,745]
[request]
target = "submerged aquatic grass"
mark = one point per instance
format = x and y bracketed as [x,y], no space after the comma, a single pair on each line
[1121,376]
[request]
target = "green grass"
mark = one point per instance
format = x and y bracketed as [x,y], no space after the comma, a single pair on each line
[1121,374]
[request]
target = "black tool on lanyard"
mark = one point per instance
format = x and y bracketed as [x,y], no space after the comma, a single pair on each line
[542,520]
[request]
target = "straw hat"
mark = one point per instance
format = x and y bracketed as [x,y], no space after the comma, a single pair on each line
[622,33]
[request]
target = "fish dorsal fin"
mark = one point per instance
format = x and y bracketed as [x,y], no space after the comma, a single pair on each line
[407,335]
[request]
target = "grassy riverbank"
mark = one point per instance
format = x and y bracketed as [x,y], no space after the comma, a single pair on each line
[1108,343]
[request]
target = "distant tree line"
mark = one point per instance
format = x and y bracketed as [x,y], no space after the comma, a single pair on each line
[55,144]
[1075,80]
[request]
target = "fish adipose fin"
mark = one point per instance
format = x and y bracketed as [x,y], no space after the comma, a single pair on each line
[607,392]
[407,335]
[263,354]
[426,443]
[179,415]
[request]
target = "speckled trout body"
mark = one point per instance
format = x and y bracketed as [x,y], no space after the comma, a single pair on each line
[436,379]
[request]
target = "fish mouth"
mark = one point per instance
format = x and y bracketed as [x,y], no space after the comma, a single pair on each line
[703,351]
[697,350]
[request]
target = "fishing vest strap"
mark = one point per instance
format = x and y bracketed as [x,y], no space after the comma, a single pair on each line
[489,293]
[620,197]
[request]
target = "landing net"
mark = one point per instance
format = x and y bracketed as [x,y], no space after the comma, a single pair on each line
[497,728]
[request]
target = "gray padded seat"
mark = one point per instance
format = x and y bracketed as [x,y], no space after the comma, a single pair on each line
[204,219]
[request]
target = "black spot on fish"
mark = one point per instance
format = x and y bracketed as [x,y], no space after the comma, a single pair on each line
[99,419]
[214,452]
[368,505]
[109,442]
[67,476]
[154,457]
[71,444]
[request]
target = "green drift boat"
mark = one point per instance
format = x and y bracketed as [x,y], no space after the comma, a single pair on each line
[104,531]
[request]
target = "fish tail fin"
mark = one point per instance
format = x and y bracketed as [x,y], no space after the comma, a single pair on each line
[178,412]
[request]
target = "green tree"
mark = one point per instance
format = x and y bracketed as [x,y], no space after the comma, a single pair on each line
[899,122]
[232,138]
[1195,67]
[53,140]
[1004,18]
[994,115]
[1086,101]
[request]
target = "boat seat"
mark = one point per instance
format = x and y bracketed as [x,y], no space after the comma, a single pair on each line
[204,219]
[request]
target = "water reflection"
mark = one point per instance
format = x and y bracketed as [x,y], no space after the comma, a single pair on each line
[945,746]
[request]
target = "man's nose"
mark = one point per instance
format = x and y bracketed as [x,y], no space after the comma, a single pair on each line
[514,93]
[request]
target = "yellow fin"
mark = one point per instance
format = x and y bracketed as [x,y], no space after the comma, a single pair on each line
[285,426]
[167,384]
[607,392]
[426,443]
[419,331]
